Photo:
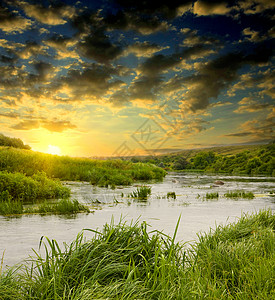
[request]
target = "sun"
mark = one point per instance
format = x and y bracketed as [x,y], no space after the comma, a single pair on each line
[54,150]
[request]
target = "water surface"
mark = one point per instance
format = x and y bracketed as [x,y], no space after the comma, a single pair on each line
[18,235]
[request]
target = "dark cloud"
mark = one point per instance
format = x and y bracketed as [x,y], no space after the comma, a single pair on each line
[97,46]
[145,88]
[218,74]
[93,82]
[167,9]
[144,24]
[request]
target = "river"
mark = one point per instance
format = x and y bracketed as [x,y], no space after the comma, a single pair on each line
[18,235]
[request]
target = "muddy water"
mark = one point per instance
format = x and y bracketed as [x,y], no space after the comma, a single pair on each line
[19,235]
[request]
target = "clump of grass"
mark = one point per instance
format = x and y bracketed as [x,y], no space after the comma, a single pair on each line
[171,195]
[141,193]
[239,194]
[210,196]
[11,208]
[63,206]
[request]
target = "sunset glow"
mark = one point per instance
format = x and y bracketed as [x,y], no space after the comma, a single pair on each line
[107,78]
[54,150]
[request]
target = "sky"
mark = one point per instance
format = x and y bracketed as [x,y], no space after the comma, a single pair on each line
[124,77]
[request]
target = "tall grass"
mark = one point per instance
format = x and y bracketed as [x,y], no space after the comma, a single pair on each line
[141,193]
[18,187]
[236,261]
[239,194]
[98,172]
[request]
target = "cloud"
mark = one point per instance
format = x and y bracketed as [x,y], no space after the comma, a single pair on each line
[10,22]
[51,125]
[144,24]
[58,126]
[11,115]
[210,7]
[52,15]
[143,49]
[97,46]
[218,74]
[92,83]
[31,49]
[249,104]
[63,46]
[256,6]
[167,9]
[261,129]
[26,125]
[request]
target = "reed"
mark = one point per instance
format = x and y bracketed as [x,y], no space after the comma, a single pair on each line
[239,194]
[141,193]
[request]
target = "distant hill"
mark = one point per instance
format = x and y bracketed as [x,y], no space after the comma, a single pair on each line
[12,142]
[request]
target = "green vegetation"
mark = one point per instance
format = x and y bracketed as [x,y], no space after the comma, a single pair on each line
[12,142]
[98,172]
[212,196]
[63,206]
[171,195]
[236,261]
[254,159]
[239,194]
[18,187]
[141,193]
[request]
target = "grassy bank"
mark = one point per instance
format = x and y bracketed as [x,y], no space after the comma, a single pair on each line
[98,172]
[16,190]
[123,261]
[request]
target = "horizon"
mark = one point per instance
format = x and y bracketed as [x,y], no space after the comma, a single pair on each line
[123,78]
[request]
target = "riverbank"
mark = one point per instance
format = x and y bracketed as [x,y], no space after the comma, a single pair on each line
[129,262]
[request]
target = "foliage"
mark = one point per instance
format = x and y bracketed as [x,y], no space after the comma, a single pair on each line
[12,142]
[239,194]
[141,193]
[256,159]
[236,261]
[63,206]
[98,172]
[212,195]
[18,187]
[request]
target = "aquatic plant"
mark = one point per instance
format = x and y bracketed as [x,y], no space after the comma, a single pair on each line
[209,196]
[141,193]
[171,195]
[63,206]
[239,194]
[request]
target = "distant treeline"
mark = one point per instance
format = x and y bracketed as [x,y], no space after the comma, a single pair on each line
[260,160]
[12,142]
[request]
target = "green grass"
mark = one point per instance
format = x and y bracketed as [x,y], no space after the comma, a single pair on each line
[98,172]
[236,261]
[210,196]
[141,193]
[239,194]
[18,187]
[63,206]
